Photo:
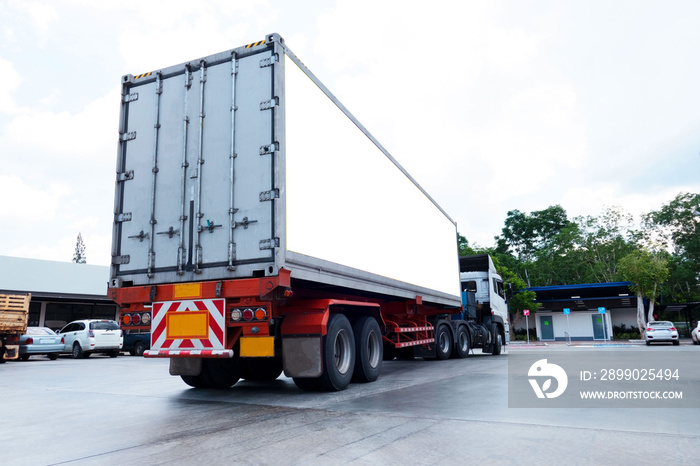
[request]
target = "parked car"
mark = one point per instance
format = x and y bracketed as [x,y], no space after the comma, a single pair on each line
[136,343]
[84,337]
[695,334]
[661,330]
[40,340]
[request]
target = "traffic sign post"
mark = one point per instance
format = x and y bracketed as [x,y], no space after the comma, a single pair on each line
[526,312]
[567,311]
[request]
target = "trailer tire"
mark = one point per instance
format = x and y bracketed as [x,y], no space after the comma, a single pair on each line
[369,350]
[461,343]
[308,385]
[498,340]
[443,343]
[220,373]
[194,381]
[338,354]
[261,369]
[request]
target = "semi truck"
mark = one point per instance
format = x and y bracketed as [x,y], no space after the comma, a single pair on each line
[260,228]
[14,312]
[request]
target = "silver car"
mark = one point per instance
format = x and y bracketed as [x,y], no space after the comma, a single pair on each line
[662,331]
[695,334]
[84,337]
[40,340]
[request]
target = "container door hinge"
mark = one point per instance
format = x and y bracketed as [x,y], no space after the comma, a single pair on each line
[123,137]
[268,104]
[125,176]
[124,217]
[120,260]
[269,195]
[269,243]
[270,148]
[131,97]
[269,61]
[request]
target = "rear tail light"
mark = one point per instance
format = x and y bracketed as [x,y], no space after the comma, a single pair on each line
[63,340]
[91,334]
[136,319]
[249,314]
[29,341]
[673,328]
[649,329]
[145,318]
[126,319]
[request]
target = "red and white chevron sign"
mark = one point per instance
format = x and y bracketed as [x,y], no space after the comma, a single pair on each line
[189,327]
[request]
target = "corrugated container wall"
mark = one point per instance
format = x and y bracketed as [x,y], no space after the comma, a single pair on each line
[242,163]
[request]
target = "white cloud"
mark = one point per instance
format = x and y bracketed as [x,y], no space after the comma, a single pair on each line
[24,204]
[10,82]
[90,133]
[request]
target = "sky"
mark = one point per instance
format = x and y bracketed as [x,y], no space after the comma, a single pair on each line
[490,105]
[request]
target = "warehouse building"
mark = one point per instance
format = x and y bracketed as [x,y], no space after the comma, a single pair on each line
[61,291]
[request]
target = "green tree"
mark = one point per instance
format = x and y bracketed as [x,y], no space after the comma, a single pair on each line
[647,272]
[463,245]
[604,240]
[79,255]
[676,227]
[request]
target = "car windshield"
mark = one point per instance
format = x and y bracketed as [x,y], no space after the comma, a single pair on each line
[39,331]
[104,325]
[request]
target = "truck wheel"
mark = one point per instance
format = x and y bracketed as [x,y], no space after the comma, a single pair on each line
[138,350]
[261,369]
[194,381]
[498,341]
[220,373]
[308,385]
[369,350]
[461,343]
[338,354]
[77,352]
[443,342]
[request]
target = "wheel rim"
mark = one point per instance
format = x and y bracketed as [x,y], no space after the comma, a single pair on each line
[374,347]
[444,342]
[463,342]
[341,351]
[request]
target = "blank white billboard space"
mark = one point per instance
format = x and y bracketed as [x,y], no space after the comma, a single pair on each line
[348,203]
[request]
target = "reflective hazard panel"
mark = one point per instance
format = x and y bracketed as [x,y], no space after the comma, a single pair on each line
[188,326]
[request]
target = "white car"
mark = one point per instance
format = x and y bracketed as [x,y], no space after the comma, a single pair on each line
[84,337]
[695,334]
[662,331]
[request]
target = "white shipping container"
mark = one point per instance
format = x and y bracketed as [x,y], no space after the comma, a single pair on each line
[242,163]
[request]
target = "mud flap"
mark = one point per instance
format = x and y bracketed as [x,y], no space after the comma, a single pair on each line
[11,352]
[302,356]
[185,366]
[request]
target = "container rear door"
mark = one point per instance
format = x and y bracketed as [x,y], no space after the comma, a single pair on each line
[195,171]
